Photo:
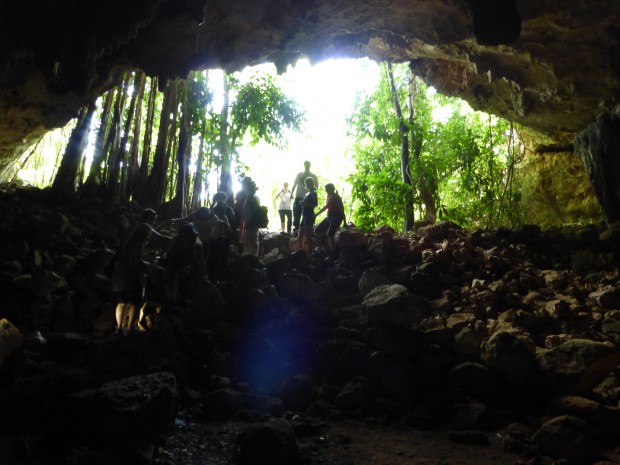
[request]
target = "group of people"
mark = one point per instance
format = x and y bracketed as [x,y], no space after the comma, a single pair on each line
[296,207]
[199,252]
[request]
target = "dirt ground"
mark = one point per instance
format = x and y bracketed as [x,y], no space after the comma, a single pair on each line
[337,443]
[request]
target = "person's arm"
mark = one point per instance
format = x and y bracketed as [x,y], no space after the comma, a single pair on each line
[293,189]
[186,219]
[159,240]
[321,210]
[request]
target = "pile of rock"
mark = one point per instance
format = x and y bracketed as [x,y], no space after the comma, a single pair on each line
[471,331]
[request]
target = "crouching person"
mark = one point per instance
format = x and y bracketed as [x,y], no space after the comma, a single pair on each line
[128,278]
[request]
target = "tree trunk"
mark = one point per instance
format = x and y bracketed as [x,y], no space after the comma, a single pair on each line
[94,176]
[224,145]
[110,148]
[198,178]
[141,188]
[133,165]
[403,128]
[66,179]
[156,181]
[118,163]
[181,191]
[424,187]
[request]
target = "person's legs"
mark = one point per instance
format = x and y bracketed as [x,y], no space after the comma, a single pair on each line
[334,224]
[301,236]
[305,236]
[289,220]
[120,315]
[297,213]
[131,316]
[308,234]
[282,214]
[250,241]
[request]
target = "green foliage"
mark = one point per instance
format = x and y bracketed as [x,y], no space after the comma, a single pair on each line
[263,111]
[198,98]
[462,163]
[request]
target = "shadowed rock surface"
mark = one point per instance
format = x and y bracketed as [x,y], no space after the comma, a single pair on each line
[501,339]
[553,66]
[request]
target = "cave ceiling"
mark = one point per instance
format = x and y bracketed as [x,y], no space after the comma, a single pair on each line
[551,65]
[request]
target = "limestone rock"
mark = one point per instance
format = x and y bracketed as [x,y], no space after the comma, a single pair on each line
[578,365]
[297,392]
[391,305]
[565,437]
[139,406]
[298,286]
[10,340]
[475,379]
[510,354]
[272,442]
[370,279]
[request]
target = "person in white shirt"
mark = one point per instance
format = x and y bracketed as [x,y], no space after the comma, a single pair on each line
[285,208]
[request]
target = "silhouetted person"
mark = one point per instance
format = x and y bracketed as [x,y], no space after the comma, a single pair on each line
[335,214]
[240,198]
[249,214]
[221,236]
[128,277]
[221,207]
[299,190]
[306,226]
[185,270]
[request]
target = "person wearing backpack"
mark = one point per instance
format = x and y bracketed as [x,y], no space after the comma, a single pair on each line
[250,218]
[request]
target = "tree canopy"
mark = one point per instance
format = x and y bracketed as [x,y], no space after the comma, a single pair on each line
[458,164]
[159,147]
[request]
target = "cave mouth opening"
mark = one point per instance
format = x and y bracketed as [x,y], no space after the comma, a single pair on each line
[348,122]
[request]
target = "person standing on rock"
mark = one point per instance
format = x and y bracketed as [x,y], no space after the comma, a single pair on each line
[306,226]
[221,236]
[335,215]
[300,191]
[240,199]
[285,208]
[249,213]
[128,277]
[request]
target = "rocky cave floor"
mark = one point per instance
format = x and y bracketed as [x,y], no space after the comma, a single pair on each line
[441,346]
[343,442]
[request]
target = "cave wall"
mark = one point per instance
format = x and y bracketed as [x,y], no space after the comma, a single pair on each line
[555,191]
[598,147]
[552,66]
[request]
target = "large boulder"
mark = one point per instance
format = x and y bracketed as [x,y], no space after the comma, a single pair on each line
[10,340]
[272,442]
[576,366]
[392,305]
[510,354]
[565,437]
[299,287]
[370,279]
[131,413]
